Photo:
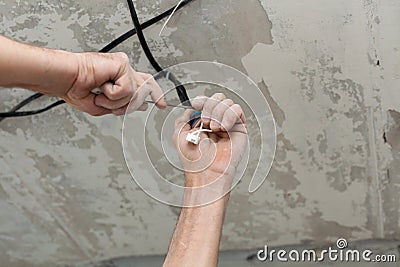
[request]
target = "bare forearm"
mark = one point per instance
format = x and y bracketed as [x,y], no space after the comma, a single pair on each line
[197,235]
[35,68]
[74,76]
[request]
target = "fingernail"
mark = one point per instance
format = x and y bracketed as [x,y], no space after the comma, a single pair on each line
[214,124]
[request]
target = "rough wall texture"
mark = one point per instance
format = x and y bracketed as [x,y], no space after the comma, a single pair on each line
[331,72]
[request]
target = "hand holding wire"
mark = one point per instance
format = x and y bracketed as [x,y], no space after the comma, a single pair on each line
[201,143]
[138,29]
[119,83]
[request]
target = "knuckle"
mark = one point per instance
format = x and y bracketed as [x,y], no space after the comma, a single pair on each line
[198,102]
[200,97]
[228,102]
[116,93]
[218,96]
[236,108]
[113,96]
[147,76]
[123,56]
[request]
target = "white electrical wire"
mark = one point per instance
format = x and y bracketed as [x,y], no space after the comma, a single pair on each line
[198,132]
[170,16]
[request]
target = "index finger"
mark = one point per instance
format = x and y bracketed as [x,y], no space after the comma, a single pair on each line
[198,102]
[234,118]
[156,93]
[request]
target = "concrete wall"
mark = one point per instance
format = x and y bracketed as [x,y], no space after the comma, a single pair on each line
[330,70]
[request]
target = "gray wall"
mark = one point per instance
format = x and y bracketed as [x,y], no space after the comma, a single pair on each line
[66,195]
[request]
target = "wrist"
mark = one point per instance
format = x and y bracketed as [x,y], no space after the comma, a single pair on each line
[207,187]
[63,72]
[53,72]
[203,178]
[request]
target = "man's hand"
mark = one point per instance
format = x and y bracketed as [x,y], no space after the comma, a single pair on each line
[116,79]
[74,76]
[197,236]
[218,152]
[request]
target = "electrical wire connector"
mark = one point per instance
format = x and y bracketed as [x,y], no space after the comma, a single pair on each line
[194,137]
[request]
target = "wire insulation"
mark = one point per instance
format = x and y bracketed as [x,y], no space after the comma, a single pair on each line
[181,90]
[23,103]
[34,112]
[170,16]
[143,26]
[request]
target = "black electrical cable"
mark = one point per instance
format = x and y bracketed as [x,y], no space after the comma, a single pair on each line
[143,26]
[105,49]
[34,112]
[13,112]
[22,104]
[183,97]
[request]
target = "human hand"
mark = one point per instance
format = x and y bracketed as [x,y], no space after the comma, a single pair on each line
[218,152]
[118,82]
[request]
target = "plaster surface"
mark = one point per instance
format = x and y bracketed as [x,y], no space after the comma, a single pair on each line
[330,70]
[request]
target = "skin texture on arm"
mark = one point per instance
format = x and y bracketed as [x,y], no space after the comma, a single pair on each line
[73,76]
[197,235]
